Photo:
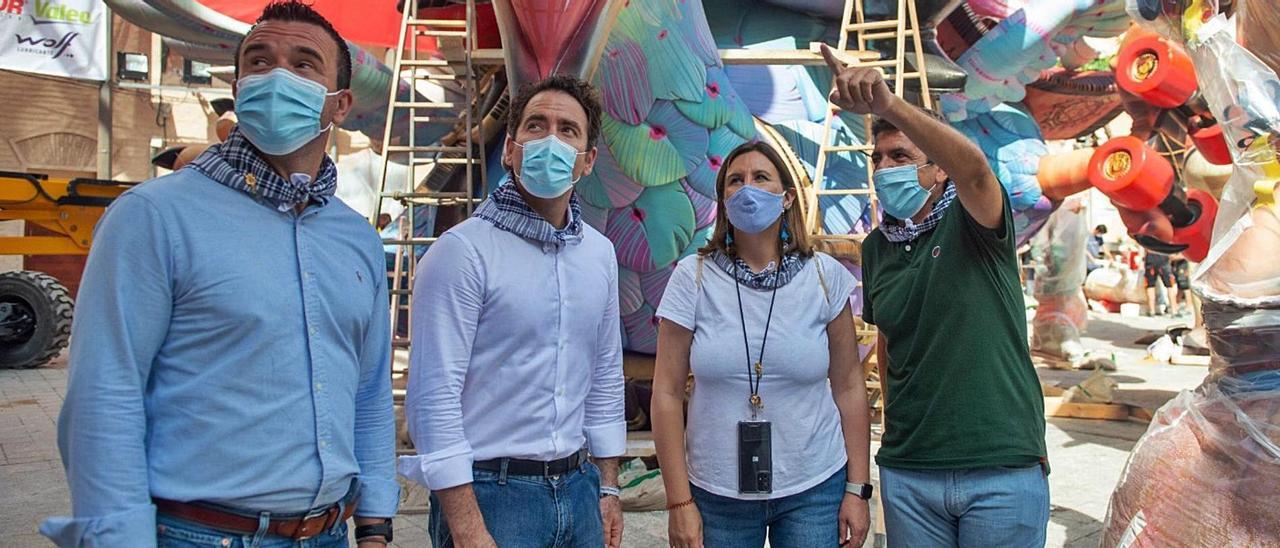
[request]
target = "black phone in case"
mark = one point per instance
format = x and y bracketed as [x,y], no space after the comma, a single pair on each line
[755,457]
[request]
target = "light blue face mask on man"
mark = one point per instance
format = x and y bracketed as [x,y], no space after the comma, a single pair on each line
[279,111]
[752,209]
[899,192]
[546,167]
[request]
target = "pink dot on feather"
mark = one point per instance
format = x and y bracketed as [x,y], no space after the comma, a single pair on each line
[638,214]
[713,89]
[657,133]
[662,35]
[715,162]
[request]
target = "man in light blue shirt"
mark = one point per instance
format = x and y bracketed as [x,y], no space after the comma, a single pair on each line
[516,365]
[230,358]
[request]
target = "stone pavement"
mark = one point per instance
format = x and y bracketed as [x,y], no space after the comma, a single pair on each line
[1087,456]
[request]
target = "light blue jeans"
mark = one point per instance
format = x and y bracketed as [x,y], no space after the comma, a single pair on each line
[805,519]
[533,511]
[176,533]
[981,507]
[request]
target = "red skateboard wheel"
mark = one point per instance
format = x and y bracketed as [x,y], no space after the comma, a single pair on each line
[1159,72]
[1131,173]
[1198,234]
[1212,145]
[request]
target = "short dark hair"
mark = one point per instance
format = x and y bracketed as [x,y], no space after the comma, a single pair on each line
[884,126]
[583,92]
[1100,229]
[293,10]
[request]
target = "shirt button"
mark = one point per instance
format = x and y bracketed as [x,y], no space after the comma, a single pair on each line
[323,444]
[317,387]
[908,247]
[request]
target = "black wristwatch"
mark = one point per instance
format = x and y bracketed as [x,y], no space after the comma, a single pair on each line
[378,530]
[860,490]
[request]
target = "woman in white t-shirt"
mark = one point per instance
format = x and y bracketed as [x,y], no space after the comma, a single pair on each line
[777,440]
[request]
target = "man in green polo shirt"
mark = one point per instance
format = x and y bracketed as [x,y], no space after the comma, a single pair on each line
[962,460]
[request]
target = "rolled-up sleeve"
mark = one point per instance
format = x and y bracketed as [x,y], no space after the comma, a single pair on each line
[121,321]
[375,436]
[605,424]
[448,295]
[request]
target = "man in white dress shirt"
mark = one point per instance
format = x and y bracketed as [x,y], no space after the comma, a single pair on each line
[516,374]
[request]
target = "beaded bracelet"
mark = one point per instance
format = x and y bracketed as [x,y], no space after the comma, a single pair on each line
[680,504]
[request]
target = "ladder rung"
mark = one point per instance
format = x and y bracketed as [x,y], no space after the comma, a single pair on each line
[396,195]
[438,120]
[884,63]
[435,76]
[424,104]
[400,291]
[408,241]
[873,25]
[888,34]
[842,191]
[442,33]
[429,149]
[424,63]
[848,148]
[454,23]
[457,160]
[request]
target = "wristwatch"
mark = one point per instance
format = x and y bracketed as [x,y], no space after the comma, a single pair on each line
[377,530]
[610,491]
[860,490]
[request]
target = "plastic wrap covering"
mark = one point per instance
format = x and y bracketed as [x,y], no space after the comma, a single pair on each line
[1207,472]
[1062,312]
[1115,284]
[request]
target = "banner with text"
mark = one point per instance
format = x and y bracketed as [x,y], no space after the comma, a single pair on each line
[55,37]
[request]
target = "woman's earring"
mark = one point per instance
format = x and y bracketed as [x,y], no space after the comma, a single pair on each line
[786,234]
[728,238]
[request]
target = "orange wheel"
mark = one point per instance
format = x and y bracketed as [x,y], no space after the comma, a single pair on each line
[1212,145]
[1159,72]
[1130,173]
[1198,234]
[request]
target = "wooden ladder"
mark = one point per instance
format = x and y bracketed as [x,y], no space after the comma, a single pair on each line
[465,151]
[899,29]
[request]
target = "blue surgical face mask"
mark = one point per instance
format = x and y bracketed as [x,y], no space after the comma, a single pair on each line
[279,111]
[899,192]
[752,209]
[546,167]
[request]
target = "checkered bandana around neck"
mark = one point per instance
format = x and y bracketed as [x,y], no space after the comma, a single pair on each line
[898,231]
[507,210]
[237,164]
[792,264]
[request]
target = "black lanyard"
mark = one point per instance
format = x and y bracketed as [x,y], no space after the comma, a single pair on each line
[756,373]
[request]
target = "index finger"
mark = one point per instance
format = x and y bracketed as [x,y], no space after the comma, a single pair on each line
[834,63]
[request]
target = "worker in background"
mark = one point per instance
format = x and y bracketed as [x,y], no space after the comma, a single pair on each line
[1158,278]
[962,459]
[230,370]
[1180,268]
[516,368]
[1095,247]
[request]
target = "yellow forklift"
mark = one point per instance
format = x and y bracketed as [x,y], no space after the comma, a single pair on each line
[35,308]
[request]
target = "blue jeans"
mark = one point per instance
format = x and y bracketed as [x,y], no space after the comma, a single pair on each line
[1006,507]
[176,533]
[808,518]
[533,511]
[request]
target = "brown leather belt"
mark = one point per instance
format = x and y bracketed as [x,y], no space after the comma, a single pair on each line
[296,528]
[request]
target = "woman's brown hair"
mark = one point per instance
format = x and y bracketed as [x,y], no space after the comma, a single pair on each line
[793,217]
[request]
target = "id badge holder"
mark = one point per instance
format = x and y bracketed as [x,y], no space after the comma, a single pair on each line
[755,457]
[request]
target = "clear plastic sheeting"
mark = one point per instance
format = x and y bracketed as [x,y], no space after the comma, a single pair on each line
[1207,472]
[1063,312]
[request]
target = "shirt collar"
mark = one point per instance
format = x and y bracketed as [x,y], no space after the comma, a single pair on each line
[772,275]
[236,163]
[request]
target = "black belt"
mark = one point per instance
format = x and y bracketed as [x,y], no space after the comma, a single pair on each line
[522,467]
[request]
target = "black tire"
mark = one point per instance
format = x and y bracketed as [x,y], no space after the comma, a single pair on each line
[49,304]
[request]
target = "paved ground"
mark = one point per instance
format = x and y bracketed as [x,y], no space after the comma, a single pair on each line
[1087,456]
